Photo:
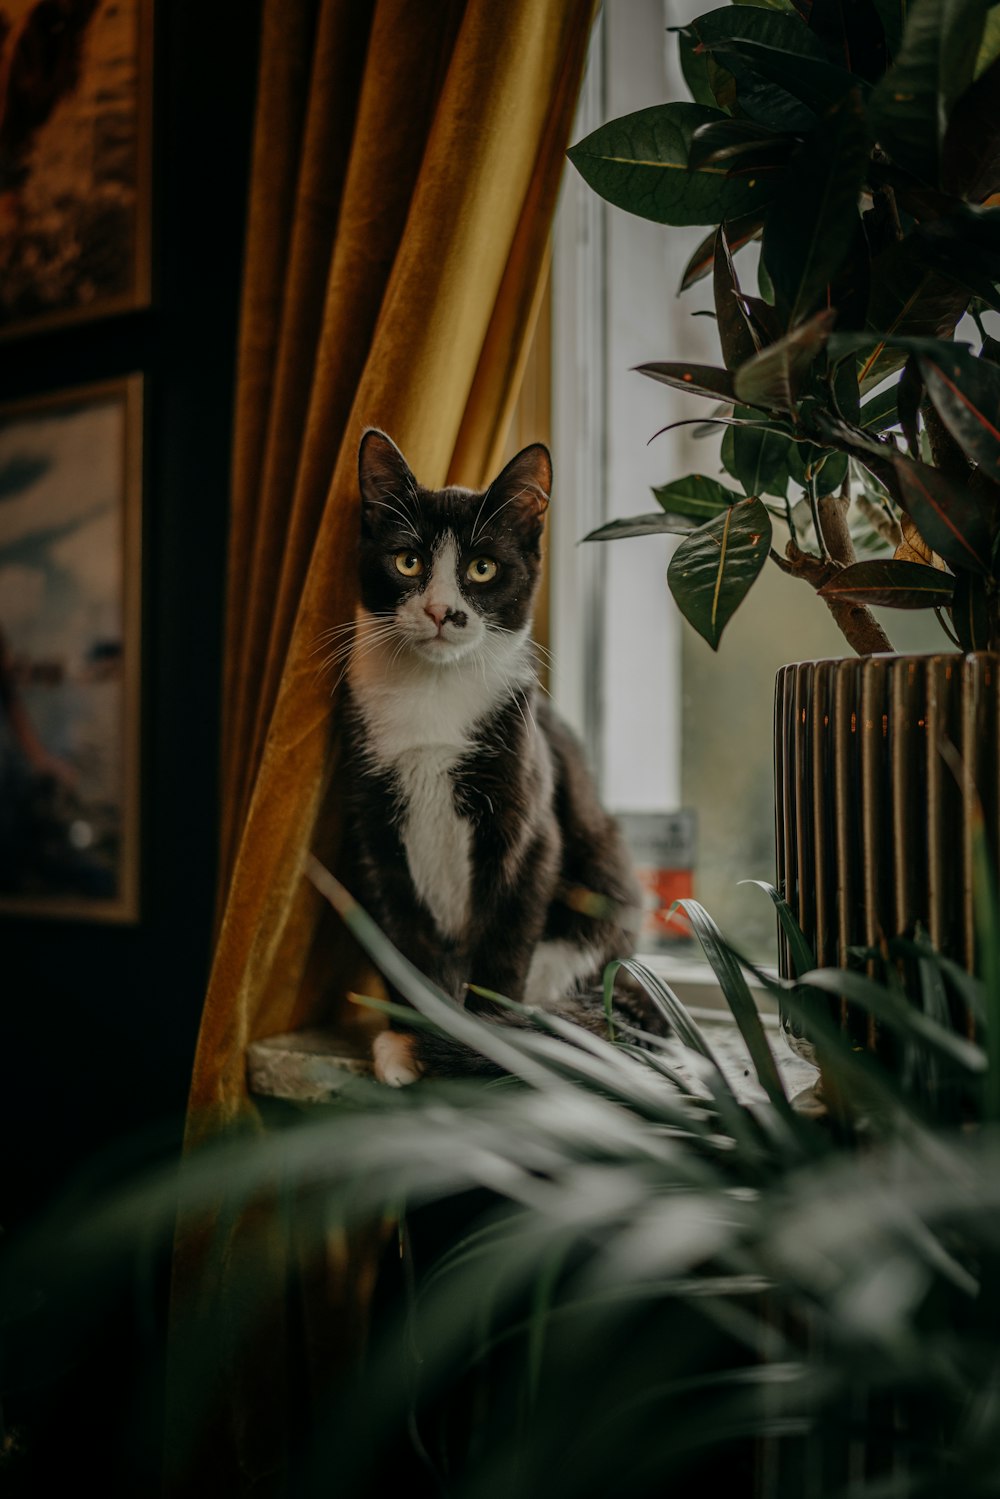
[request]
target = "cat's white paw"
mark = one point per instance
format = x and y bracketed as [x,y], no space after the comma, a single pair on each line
[395,1062]
[556,969]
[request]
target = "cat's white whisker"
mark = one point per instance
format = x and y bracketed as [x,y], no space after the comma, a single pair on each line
[407,520]
[475,523]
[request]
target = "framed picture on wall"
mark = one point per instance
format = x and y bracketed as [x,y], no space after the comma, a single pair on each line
[75,160]
[70,538]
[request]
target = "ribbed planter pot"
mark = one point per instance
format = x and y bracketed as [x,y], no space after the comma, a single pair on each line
[881,765]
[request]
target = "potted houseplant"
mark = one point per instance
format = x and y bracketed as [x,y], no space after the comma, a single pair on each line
[859,144]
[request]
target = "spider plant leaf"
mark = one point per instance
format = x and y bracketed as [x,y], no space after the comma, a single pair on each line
[696,496]
[715,567]
[641,163]
[802,955]
[987,903]
[737,994]
[896,585]
[426,997]
[949,518]
[653,524]
[894,1011]
[966,394]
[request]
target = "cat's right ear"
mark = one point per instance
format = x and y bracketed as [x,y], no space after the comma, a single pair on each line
[384,478]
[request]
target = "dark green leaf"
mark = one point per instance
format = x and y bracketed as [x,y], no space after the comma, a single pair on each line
[756,457]
[713,569]
[763,318]
[741,146]
[758,100]
[990,350]
[970,163]
[966,393]
[879,411]
[970,612]
[842,345]
[897,585]
[640,163]
[694,66]
[908,393]
[774,377]
[739,232]
[852,33]
[702,379]
[696,496]
[933,67]
[736,336]
[817,84]
[813,222]
[964,246]
[654,524]
[802,955]
[892,14]
[772,28]
[828,468]
[948,517]
[893,1010]
[737,994]
[908,300]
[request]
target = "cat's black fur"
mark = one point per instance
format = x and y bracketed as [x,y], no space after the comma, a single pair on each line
[474,830]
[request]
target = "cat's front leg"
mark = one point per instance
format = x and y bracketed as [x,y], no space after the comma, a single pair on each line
[514,897]
[383,885]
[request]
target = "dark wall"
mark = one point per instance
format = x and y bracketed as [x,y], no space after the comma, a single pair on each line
[98,1023]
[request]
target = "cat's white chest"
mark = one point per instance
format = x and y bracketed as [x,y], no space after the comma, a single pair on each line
[419,736]
[420,721]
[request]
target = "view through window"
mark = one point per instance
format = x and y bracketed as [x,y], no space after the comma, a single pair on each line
[680,736]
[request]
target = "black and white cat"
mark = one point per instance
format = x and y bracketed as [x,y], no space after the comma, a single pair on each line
[475,836]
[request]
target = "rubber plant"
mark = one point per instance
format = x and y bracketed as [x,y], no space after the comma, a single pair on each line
[859,142]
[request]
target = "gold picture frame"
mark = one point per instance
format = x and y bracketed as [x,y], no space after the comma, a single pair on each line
[76,128]
[70,621]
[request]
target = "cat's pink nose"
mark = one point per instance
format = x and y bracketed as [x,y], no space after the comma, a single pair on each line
[437,613]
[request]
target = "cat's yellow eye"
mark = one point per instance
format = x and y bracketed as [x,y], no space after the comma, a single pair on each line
[409,564]
[481,570]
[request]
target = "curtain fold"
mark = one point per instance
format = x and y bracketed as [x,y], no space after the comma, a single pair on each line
[406,163]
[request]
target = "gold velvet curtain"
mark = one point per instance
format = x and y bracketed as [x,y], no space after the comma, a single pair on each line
[406,160]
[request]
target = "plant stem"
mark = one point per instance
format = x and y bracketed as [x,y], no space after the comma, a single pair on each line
[857,624]
[814,510]
[945,451]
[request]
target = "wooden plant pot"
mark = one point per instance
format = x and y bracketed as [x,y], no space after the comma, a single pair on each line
[881,766]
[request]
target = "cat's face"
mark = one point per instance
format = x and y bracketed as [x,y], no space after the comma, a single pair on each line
[454,569]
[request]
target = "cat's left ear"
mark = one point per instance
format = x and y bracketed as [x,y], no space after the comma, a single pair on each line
[521,492]
[384,478]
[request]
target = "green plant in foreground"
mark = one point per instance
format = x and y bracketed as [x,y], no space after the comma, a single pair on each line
[644,1270]
[859,142]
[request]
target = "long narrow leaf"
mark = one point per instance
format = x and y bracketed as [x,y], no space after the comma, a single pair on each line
[737,995]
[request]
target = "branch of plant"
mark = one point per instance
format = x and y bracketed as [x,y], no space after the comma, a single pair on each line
[881,522]
[856,623]
[945,451]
